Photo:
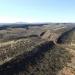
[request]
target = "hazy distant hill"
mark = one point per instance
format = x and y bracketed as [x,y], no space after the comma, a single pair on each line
[19,25]
[27,25]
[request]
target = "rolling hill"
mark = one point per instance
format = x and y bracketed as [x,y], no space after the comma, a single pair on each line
[37,50]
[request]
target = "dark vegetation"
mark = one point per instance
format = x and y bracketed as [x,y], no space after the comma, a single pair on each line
[67,37]
[44,59]
[42,33]
[19,46]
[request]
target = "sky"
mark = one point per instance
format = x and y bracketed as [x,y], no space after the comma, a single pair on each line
[37,11]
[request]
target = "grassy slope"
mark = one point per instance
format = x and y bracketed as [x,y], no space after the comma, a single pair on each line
[10,49]
[44,59]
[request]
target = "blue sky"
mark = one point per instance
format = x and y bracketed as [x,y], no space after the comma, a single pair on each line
[37,11]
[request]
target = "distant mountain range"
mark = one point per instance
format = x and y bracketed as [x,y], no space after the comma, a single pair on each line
[26,25]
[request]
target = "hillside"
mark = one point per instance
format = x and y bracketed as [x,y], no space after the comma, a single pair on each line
[67,37]
[46,50]
[44,59]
